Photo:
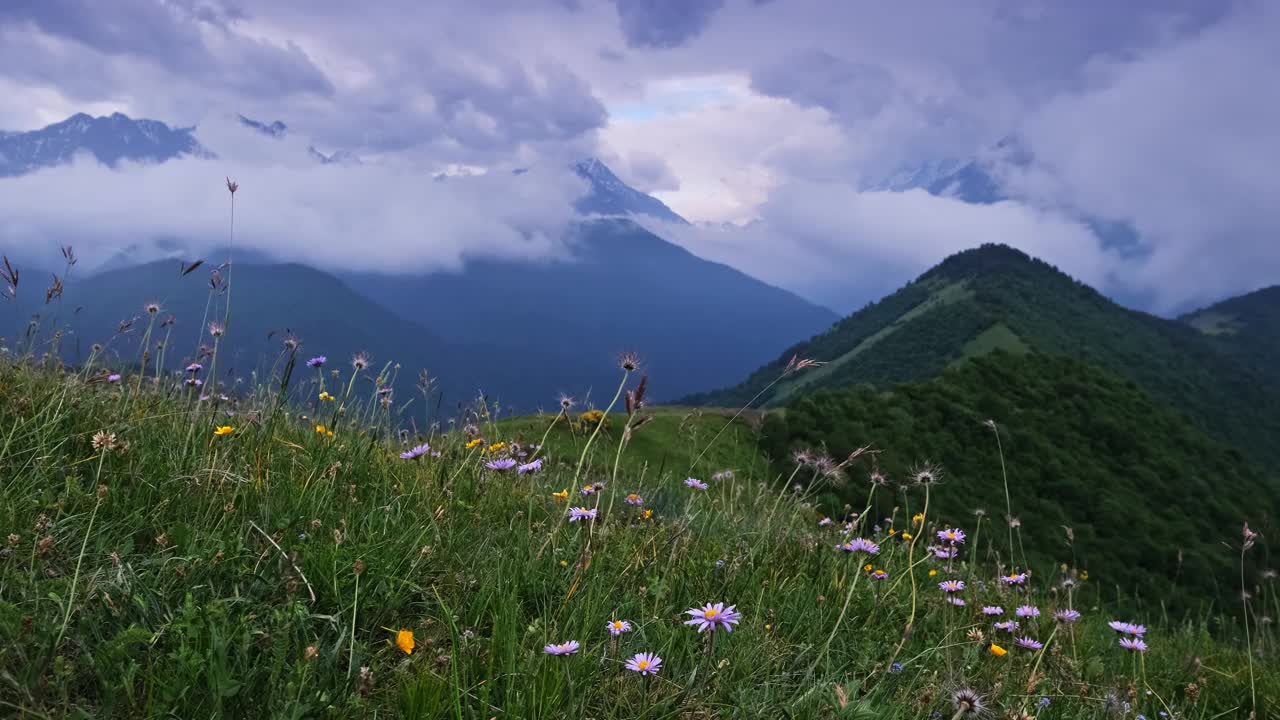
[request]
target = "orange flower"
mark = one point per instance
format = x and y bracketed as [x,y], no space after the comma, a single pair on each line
[404,641]
[997,650]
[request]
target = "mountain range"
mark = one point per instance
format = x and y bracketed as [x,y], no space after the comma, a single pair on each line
[523,332]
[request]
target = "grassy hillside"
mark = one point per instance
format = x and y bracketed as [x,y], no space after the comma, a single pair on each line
[677,441]
[158,567]
[995,297]
[1149,497]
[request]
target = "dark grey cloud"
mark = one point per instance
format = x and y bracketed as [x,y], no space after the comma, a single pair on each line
[817,78]
[664,23]
[196,40]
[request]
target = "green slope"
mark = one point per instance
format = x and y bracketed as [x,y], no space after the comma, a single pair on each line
[666,446]
[1084,449]
[1247,328]
[995,297]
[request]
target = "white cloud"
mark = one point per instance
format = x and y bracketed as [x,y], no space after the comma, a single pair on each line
[840,247]
[374,216]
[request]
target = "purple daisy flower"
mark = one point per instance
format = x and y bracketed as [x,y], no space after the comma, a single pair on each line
[588,490]
[617,627]
[879,575]
[317,361]
[945,553]
[195,382]
[951,585]
[1127,628]
[1007,625]
[194,368]
[958,602]
[1067,616]
[645,663]
[113,378]
[824,522]
[581,513]
[860,545]
[1025,611]
[633,499]
[992,610]
[567,648]
[709,617]
[696,484]
[534,466]
[414,453]
[1029,643]
[501,464]
[951,535]
[1014,579]
[1135,644]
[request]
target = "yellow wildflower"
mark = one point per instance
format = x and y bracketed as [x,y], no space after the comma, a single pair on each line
[404,641]
[917,518]
[224,430]
[1084,574]
[497,446]
[648,514]
[326,397]
[561,495]
[866,568]
[473,443]
[997,650]
[564,563]
[320,429]
[932,573]
[907,536]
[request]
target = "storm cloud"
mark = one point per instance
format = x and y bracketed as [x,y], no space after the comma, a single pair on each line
[773,126]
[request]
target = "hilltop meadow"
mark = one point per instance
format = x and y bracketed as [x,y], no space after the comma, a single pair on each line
[174,552]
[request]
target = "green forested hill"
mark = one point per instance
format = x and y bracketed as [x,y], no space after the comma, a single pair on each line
[1246,327]
[1149,497]
[995,297]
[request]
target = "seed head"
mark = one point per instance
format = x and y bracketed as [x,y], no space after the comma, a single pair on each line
[629,361]
[968,703]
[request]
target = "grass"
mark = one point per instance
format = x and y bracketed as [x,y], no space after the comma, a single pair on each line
[163,571]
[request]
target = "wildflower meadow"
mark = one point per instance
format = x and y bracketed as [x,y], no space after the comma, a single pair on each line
[291,548]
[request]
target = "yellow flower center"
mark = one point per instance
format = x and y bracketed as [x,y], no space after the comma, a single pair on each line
[643,664]
[711,613]
[617,624]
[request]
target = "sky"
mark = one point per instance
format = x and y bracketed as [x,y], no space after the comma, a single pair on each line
[769,124]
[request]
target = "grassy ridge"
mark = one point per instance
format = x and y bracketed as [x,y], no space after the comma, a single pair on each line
[995,297]
[168,571]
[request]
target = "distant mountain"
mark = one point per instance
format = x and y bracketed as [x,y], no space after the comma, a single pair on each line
[692,321]
[109,140]
[523,331]
[269,303]
[610,196]
[274,129]
[1246,327]
[995,297]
